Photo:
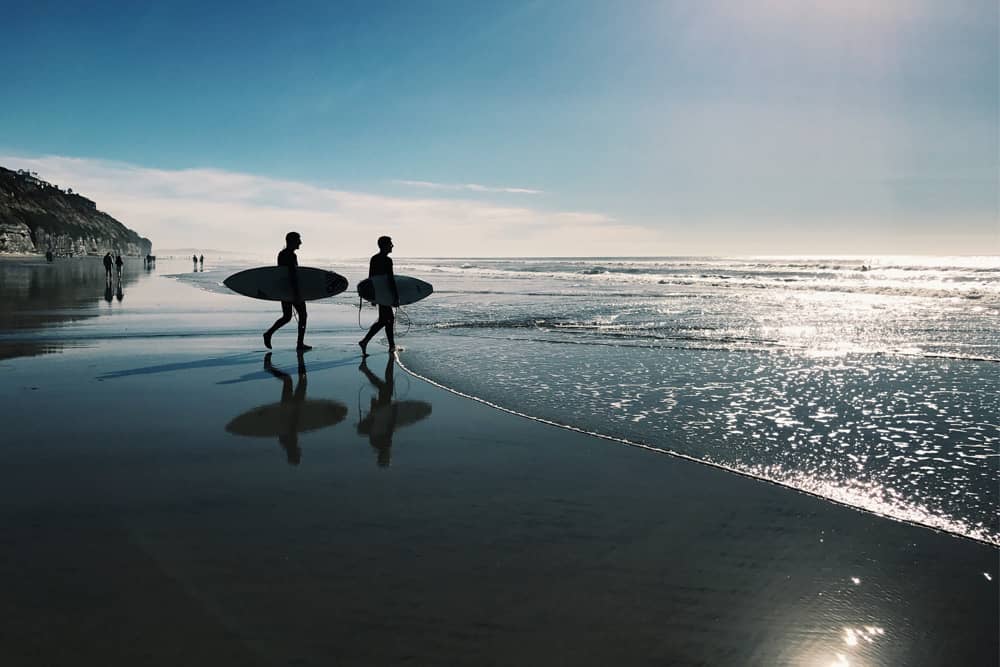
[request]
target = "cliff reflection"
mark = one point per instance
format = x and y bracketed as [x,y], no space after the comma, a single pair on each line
[386,415]
[292,415]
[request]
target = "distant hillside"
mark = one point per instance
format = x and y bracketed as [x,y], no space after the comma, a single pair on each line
[36,216]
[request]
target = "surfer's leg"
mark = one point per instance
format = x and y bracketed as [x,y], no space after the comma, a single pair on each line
[390,319]
[300,308]
[286,317]
[363,343]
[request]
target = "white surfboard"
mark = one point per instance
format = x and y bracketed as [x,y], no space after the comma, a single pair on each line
[376,290]
[272,283]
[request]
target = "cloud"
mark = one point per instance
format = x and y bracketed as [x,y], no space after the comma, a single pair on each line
[468,187]
[239,212]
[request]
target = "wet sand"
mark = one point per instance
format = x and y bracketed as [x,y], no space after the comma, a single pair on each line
[172,495]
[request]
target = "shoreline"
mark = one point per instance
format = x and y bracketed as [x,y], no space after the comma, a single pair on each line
[711,464]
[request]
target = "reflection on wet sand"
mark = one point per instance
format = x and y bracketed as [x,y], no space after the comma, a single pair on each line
[386,415]
[35,294]
[292,415]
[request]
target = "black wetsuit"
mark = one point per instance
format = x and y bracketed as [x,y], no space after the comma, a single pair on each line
[381,265]
[288,258]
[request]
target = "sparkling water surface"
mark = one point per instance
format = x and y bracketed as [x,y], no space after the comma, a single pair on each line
[870,381]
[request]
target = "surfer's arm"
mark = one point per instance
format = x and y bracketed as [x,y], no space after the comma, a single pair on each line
[293,280]
[392,284]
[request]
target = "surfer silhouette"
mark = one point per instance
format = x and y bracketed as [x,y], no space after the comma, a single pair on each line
[201,262]
[194,261]
[288,259]
[381,419]
[381,265]
[118,266]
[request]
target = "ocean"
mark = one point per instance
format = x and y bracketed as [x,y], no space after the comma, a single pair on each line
[872,382]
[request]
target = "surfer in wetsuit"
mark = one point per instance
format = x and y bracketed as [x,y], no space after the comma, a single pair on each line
[381,265]
[288,258]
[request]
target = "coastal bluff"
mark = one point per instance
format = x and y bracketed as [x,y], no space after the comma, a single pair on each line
[37,217]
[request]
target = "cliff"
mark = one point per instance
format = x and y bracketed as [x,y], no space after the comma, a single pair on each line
[36,216]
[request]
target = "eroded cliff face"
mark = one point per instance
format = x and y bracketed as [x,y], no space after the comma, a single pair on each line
[36,217]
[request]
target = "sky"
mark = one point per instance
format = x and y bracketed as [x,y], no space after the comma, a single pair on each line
[518,128]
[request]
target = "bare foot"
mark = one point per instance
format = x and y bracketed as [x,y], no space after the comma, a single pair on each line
[303,348]
[267,340]
[364,349]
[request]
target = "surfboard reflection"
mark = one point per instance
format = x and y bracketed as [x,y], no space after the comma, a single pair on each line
[386,415]
[292,415]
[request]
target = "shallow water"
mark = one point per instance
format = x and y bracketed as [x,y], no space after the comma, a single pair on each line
[870,381]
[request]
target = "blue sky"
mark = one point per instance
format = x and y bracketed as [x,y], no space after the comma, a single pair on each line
[723,126]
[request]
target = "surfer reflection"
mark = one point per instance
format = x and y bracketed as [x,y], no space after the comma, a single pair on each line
[119,294]
[385,415]
[288,433]
[294,414]
[107,292]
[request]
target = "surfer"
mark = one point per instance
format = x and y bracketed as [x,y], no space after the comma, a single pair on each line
[288,258]
[381,265]
[118,266]
[107,266]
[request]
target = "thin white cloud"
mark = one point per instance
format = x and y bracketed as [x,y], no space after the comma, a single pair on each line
[468,187]
[240,212]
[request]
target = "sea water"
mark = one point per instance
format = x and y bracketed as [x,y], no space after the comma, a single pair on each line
[873,382]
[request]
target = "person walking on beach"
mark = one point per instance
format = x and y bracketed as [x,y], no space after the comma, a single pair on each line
[118,266]
[287,258]
[107,267]
[381,265]
[194,262]
[201,262]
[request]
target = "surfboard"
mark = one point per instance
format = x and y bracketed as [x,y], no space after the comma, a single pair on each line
[411,290]
[271,283]
[385,419]
[268,421]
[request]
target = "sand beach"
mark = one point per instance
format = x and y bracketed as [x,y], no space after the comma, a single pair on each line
[173,494]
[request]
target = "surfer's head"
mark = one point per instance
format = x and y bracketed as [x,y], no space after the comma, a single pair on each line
[293,240]
[385,244]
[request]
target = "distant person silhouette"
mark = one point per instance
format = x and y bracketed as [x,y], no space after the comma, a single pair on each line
[381,265]
[108,263]
[287,258]
[381,420]
[118,266]
[201,262]
[194,261]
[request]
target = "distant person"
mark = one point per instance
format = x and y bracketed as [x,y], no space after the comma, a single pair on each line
[118,266]
[48,256]
[108,262]
[381,265]
[194,260]
[201,262]
[287,258]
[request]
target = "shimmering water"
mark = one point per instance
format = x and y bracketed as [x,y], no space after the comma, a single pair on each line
[871,381]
